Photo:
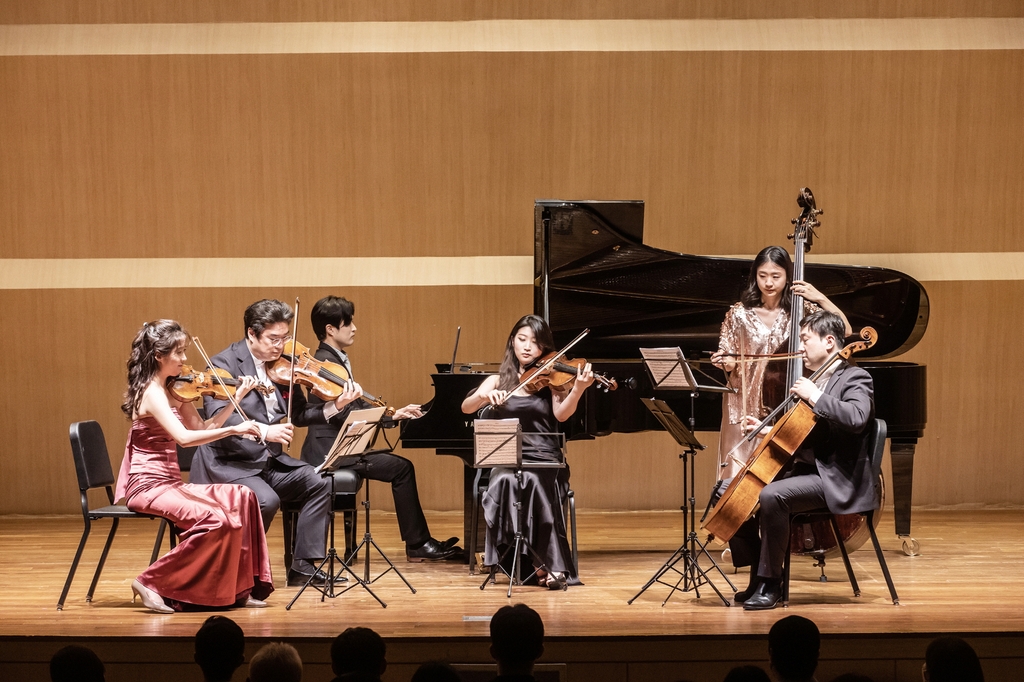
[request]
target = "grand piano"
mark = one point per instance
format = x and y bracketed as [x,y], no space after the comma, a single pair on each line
[592,270]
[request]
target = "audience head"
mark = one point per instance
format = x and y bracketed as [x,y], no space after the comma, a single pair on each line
[747,673]
[951,658]
[852,677]
[793,644]
[276,662]
[220,648]
[517,638]
[76,663]
[359,650]
[435,671]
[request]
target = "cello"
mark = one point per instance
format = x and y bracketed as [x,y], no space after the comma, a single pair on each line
[740,499]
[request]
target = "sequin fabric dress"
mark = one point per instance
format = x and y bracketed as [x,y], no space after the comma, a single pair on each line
[743,333]
[542,493]
[221,558]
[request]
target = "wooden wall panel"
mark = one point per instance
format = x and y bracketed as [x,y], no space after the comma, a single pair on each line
[141,11]
[443,154]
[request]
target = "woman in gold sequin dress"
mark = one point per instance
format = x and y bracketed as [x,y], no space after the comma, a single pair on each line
[757,325]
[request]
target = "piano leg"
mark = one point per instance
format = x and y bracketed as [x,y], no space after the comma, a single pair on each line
[902,453]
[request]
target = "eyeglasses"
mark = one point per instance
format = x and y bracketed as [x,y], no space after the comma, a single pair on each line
[276,340]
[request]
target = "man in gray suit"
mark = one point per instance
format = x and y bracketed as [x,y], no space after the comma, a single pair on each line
[272,474]
[832,467]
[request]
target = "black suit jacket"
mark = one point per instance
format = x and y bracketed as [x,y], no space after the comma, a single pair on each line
[321,435]
[233,458]
[838,444]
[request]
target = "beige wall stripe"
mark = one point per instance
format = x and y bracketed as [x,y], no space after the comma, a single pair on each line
[175,273]
[682,35]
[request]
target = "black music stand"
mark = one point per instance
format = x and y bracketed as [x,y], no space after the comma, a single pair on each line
[354,437]
[670,371]
[499,443]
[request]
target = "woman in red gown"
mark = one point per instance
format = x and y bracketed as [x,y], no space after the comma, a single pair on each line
[221,558]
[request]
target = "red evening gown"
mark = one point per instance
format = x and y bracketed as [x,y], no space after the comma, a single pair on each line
[221,558]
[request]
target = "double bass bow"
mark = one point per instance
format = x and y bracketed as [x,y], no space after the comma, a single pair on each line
[740,499]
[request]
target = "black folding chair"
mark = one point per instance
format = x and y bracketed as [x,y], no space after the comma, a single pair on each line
[92,464]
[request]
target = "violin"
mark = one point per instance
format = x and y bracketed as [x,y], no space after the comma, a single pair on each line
[740,499]
[326,380]
[560,373]
[191,385]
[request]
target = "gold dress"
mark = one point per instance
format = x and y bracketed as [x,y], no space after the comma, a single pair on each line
[744,334]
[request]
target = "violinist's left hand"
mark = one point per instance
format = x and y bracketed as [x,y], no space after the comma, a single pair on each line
[408,412]
[804,388]
[245,384]
[584,376]
[352,392]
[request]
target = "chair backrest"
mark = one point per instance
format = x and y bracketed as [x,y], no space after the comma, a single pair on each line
[185,456]
[89,448]
[876,446]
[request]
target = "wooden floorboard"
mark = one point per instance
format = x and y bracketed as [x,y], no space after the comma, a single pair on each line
[962,582]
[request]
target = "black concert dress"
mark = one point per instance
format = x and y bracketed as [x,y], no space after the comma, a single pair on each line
[543,490]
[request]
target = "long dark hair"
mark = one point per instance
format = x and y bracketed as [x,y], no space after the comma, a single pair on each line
[508,375]
[751,296]
[154,341]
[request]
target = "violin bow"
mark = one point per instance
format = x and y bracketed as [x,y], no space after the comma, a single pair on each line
[231,398]
[291,370]
[546,365]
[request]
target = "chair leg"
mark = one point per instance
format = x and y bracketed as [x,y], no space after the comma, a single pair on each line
[286,526]
[103,560]
[351,528]
[471,541]
[846,555]
[74,565]
[164,524]
[881,559]
[785,576]
[572,523]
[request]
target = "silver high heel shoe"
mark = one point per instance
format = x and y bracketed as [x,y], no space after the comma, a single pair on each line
[150,599]
[251,603]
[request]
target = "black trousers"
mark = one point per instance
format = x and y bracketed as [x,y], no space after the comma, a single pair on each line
[763,538]
[302,485]
[401,474]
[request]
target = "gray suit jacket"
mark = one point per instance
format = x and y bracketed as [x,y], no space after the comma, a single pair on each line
[838,444]
[233,458]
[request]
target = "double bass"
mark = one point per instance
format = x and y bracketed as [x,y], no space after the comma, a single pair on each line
[740,499]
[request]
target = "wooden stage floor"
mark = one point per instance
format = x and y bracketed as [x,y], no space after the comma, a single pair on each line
[966,580]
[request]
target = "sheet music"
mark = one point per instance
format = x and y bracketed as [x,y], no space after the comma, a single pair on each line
[497,442]
[354,437]
[668,368]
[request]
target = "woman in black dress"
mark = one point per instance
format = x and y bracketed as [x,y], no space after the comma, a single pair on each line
[543,490]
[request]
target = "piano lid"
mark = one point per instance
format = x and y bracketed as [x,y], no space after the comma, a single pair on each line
[592,269]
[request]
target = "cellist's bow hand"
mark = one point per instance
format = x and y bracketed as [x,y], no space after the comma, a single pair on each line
[352,393]
[805,389]
[750,423]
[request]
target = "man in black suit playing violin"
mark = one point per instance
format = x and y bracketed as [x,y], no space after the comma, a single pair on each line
[831,468]
[261,465]
[334,327]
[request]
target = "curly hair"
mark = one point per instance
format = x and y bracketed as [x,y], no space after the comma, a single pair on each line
[154,341]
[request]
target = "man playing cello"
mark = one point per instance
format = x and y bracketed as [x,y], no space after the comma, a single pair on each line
[831,468]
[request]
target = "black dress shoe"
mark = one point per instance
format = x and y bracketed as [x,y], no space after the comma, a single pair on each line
[298,579]
[741,597]
[450,542]
[432,550]
[766,597]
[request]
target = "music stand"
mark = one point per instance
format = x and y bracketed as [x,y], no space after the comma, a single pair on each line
[499,443]
[669,371]
[355,436]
